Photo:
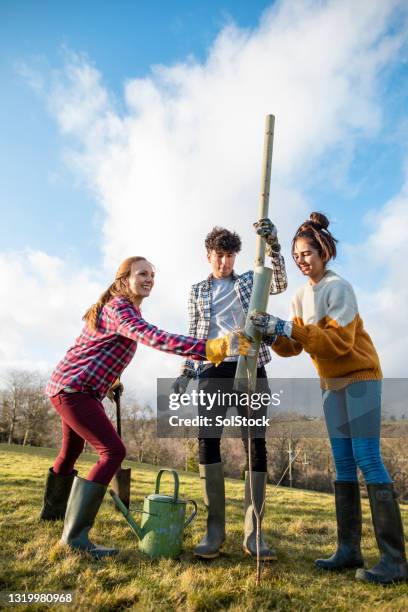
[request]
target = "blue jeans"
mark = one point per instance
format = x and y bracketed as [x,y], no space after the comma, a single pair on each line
[353,420]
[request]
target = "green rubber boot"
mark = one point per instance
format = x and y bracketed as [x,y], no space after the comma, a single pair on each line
[249,543]
[389,534]
[83,506]
[56,494]
[349,524]
[212,476]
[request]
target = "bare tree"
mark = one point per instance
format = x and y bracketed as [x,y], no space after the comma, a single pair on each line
[17,384]
[35,413]
[283,450]
[139,431]
[26,414]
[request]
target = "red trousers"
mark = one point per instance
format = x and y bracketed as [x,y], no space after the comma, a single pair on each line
[83,418]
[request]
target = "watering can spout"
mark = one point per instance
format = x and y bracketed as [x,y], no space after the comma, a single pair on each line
[139,531]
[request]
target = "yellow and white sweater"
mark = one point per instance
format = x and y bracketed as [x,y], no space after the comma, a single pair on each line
[326,324]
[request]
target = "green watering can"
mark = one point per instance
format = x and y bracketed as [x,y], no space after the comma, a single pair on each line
[163,520]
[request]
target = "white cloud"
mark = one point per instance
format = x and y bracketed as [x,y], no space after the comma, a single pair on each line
[42,302]
[185,154]
[385,308]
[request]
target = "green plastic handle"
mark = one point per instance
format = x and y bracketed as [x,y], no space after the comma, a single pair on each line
[176,483]
[194,512]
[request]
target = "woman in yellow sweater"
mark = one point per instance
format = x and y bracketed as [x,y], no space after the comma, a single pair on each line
[326,324]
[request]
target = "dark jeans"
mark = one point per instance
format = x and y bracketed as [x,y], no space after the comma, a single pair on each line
[83,418]
[209,447]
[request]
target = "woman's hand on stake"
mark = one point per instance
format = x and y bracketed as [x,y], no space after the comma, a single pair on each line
[269,325]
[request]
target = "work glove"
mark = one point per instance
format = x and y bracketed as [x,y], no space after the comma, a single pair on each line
[234,343]
[269,325]
[268,231]
[181,383]
[116,388]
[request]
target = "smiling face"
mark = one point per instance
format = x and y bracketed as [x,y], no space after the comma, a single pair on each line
[222,263]
[308,260]
[140,280]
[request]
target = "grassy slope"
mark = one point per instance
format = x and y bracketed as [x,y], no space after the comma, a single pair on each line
[300,524]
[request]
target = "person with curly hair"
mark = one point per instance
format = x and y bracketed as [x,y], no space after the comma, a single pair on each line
[217,304]
[326,324]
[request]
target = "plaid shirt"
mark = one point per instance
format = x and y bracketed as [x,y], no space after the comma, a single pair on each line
[200,299]
[99,357]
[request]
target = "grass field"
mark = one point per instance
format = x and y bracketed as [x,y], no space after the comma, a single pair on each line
[299,524]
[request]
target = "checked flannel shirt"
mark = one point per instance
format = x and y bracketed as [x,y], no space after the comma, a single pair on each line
[99,357]
[199,306]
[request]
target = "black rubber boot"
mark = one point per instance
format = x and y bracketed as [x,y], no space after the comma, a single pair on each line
[56,494]
[349,522]
[212,476]
[258,490]
[389,534]
[83,506]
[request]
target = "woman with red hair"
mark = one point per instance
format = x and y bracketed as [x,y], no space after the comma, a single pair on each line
[106,345]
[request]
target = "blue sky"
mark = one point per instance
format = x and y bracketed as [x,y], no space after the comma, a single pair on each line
[125,43]
[133,127]
[123,40]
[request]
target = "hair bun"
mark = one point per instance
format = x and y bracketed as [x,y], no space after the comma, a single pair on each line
[319,219]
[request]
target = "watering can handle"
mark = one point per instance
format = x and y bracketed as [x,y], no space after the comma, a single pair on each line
[194,512]
[176,482]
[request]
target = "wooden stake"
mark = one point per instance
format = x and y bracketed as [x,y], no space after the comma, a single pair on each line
[245,377]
